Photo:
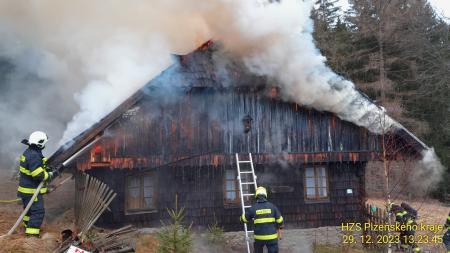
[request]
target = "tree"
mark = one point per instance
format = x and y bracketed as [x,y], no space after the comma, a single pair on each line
[397,52]
[175,237]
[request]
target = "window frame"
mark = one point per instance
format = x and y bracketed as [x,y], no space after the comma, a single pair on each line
[141,176]
[237,200]
[317,197]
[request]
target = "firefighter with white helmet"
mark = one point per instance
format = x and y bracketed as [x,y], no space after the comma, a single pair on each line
[33,170]
[267,222]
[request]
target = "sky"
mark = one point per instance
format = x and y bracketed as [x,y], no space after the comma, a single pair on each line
[442,6]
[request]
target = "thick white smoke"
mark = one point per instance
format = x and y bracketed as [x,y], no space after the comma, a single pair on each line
[276,40]
[114,48]
[427,174]
[105,51]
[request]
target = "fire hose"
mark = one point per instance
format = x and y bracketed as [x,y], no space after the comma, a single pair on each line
[50,191]
[10,200]
[58,169]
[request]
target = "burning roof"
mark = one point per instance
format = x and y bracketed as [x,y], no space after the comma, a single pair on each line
[205,68]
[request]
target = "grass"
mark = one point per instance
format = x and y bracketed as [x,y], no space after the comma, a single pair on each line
[146,244]
[325,248]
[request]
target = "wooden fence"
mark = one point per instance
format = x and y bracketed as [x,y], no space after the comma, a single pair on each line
[374,215]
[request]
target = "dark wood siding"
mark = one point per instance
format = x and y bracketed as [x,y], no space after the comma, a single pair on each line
[200,191]
[210,123]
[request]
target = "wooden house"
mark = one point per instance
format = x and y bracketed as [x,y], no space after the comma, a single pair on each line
[177,138]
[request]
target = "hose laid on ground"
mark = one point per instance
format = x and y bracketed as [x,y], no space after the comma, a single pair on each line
[59,168]
[50,191]
[10,201]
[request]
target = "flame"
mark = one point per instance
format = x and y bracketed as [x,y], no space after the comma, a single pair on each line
[273,92]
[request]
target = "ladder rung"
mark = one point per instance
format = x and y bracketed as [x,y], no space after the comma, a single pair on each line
[246,172]
[247,206]
[248,183]
[244,161]
[248,194]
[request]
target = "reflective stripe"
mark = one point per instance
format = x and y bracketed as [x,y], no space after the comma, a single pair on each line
[26,218]
[24,171]
[22,158]
[24,224]
[30,190]
[244,219]
[280,220]
[264,220]
[37,171]
[44,160]
[32,231]
[266,237]
[448,218]
[400,214]
[417,249]
[263,211]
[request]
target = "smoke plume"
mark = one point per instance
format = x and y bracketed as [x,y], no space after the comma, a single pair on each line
[103,52]
[426,175]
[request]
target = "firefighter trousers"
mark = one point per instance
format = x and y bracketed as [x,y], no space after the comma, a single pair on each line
[35,216]
[407,240]
[446,240]
[272,246]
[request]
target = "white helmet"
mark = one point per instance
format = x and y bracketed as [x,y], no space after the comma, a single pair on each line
[38,138]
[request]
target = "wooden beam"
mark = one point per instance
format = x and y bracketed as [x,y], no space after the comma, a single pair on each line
[73,146]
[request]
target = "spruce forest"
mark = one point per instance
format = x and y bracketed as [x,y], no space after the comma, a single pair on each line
[398,53]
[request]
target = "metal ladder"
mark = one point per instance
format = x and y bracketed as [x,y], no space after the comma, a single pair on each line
[244,189]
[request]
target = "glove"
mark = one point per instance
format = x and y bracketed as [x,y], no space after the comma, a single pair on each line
[49,169]
[52,175]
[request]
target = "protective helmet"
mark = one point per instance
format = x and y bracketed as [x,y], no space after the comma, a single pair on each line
[38,138]
[261,191]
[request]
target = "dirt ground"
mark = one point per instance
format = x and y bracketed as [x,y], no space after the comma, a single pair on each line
[59,216]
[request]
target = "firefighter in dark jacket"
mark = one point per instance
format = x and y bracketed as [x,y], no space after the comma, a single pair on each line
[446,237]
[267,222]
[406,215]
[33,171]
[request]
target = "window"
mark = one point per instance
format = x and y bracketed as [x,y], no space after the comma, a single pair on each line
[140,192]
[316,183]
[231,187]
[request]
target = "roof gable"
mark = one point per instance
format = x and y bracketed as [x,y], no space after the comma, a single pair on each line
[195,70]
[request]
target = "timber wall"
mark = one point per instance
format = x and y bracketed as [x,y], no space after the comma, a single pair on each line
[200,191]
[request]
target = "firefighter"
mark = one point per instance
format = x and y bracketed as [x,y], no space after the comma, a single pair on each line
[33,170]
[446,237]
[400,218]
[267,222]
[406,215]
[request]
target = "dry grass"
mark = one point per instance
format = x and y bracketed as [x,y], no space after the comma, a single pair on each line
[18,243]
[146,244]
[324,248]
[431,212]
